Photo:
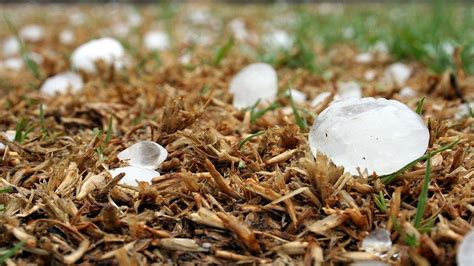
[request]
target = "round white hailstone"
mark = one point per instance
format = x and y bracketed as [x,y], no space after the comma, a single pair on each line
[378,242]
[10,134]
[448,48]
[106,49]
[348,90]
[134,19]
[120,29]
[32,33]
[397,74]
[380,47]
[296,95]
[66,37]
[185,59]
[157,40]
[13,63]
[465,254]
[257,81]
[278,39]
[407,92]
[77,18]
[11,46]
[348,33]
[369,75]
[463,110]
[239,31]
[199,17]
[61,83]
[145,154]
[320,98]
[378,134]
[134,174]
[364,58]
[37,58]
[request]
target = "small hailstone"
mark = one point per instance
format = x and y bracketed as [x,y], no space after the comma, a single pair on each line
[465,252]
[145,154]
[378,242]
[348,90]
[397,74]
[157,40]
[106,49]
[364,58]
[378,134]
[77,18]
[370,74]
[448,48]
[296,95]
[10,134]
[11,46]
[66,37]
[348,33]
[380,47]
[37,58]
[199,17]
[464,111]
[185,59]
[134,174]
[278,39]
[407,92]
[320,98]
[32,33]
[61,83]
[134,19]
[254,82]
[13,63]
[369,263]
[239,31]
[120,29]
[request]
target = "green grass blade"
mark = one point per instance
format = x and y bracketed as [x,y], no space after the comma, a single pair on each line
[12,251]
[419,106]
[223,51]
[6,190]
[109,131]
[299,120]
[242,143]
[420,208]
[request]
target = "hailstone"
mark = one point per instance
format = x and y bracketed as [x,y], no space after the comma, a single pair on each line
[465,254]
[377,242]
[108,50]
[61,83]
[144,154]
[378,134]
[397,74]
[134,174]
[157,40]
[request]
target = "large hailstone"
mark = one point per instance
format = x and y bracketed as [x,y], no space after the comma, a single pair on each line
[157,40]
[61,83]
[108,50]
[254,82]
[378,134]
[465,254]
[134,174]
[144,154]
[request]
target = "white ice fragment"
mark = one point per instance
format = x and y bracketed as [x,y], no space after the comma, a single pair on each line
[378,242]
[10,134]
[61,83]
[257,81]
[134,174]
[77,18]
[348,33]
[37,58]
[134,19]
[296,95]
[199,17]
[364,58]
[239,31]
[145,154]
[407,92]
[11,46]
[348,90]
[13,63]
[157,40]
[320,98]
[397,74]
[108,50]
[278,39]
[465,254]
[66,37]
[378,134]
[370,74]
[448,47]
[32,33]
[380,47]
[463,110]
[120,29]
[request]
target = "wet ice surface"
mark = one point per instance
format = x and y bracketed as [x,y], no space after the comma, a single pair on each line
[377,242]
[378,134]
[108,50]
[255,81]
[134,174]
[61,83]
[144,154]
[465,254]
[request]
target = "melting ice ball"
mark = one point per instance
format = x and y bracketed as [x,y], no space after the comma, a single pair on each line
[144,154]
[377,242]
[134,174]
[465,254]
[156,40]
[378,134]
[61,83]
[255,81]
[106,49]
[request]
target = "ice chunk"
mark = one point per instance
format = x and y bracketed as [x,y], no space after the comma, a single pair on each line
[348,90]
[134,174]
[239,31]
[66,37]
[364,58]
[255,81]
[11,46]
[296,95]
[378,242]
[13,63]
[407,92]
[157,40]
[10,134]
[145,154]
[378,134]
[370,74]
[32,33]
[320,98]
[61,83]
[108,50]
[465,254]
[278,39]
[397,74]
[463,110]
